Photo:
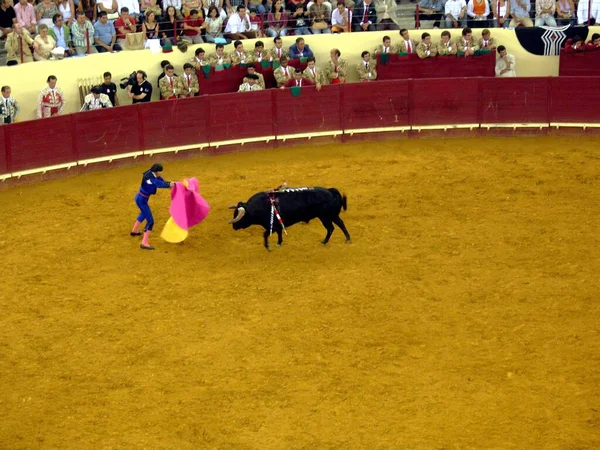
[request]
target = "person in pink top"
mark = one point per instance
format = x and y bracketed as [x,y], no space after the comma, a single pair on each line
[26,15]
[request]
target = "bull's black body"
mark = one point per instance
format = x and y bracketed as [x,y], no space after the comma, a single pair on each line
[294,205]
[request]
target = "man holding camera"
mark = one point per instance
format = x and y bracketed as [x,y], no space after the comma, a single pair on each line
[140,90]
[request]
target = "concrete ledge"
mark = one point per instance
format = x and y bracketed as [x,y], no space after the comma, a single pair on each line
[44,169]
[242,141]
[110,158]
[376,130]
[176,149]
[514,126]
[470,126]
[309,136]
[6,176]
[574,125]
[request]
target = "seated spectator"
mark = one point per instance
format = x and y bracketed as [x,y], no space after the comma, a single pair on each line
[278,51]
[105,35]
[67,9]
[176,4]
[43,44]
[407,45]
[364,16]
[17,46]
[257,6]
[258,55]
[314,74]
[8,18]
[505,64]
[387,18]
[486,42]
[584,12]
[297,80]
[83,35]
[319,14]
[277,21]
[125,25]
[51,100]
[260,78]
[455,11]
[341,19]
[25,13]
[96,100]
[169,84]
[213,25]
[133,8]
[239,55]
[478,12]
[61,35]
[192,27]
[386,47]
[300,50]
[544,13]
[199,60]
[9,105]
[254,23]
[238,26]
[110,7]
[445,47]
[466,44]
[189,86]
[170,27]
[575,45]
[88,7]
[148,6]
[519,10]
[45,11]
[110,89]
[425,49]
[250,84]
[141,91]
[284,72]
[564,12]
[188,5]
[366,68]
[430,10]
[594,44]
[299,17]
[207,4]
[150,27]
[336,69]
[219,57]
[504,13]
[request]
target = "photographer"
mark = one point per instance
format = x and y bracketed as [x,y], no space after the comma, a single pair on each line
[140,90]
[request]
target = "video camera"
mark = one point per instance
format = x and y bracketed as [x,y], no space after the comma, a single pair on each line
[128,81]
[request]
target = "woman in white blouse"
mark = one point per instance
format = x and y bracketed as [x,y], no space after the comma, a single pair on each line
[67,9]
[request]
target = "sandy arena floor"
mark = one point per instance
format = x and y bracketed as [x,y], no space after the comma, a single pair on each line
[464,315]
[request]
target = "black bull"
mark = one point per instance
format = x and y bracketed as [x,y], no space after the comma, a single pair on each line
[294,205]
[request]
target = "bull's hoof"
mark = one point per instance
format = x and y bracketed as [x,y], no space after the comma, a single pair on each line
[348,241]
[278,245]
[268,248]
[324,242]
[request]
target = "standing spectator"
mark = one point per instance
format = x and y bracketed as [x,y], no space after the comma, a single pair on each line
[341,19]
[487,42]
[95,100]
[300,50]
[277,20]
[238,25]
[169,84]
[189,86]
[192,27]
[319,14]
[9,107]
[544,13]
[430,10]
[364,16]
[124,25]
[519,10]
[45,11]
[105,36]
[213,25]
[43,44]
[278,51]
[141,91]
[67,9]
[61,35]
[133,8]
[17,46]
[583,12]
[336,69]
[51,101]
[110,89]
[502,15]
[564,12]
[25,13]
[83,35]
[425,49]
[8,18]
[299,17]
[366,68]
[386,15]
[445,46]
[505,64]
[478,12]
[110,7]
[455,13]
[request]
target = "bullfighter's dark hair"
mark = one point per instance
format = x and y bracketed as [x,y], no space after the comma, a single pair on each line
[156,168]
[50,78]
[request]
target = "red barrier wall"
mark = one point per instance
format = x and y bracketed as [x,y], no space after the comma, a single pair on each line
[579,64]
[276,112]
[411,66]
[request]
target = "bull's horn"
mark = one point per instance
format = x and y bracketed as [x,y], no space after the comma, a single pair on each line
[241,212]
[232,207]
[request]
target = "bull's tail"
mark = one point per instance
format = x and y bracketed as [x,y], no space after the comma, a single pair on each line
[342,198]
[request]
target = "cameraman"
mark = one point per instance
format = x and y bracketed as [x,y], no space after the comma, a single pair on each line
[141,90]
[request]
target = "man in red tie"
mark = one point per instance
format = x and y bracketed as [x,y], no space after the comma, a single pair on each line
[278,51]
[297,81]
[407,45]
[364,16]
[169,84]
[284,72]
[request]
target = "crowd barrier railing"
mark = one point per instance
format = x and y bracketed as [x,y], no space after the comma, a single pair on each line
[275,115]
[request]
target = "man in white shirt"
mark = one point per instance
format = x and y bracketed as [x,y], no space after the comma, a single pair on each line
[238,26]
[505,64]
[341,18]
[582,12]
[454,13]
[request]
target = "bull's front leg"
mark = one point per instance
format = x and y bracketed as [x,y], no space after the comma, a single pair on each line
[266,237]
[279,238]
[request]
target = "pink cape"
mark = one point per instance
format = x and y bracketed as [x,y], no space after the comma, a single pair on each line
[188,208]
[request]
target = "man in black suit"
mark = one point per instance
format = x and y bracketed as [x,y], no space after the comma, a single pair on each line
[364,16]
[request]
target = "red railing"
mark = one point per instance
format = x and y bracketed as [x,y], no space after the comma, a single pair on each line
[217,120]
